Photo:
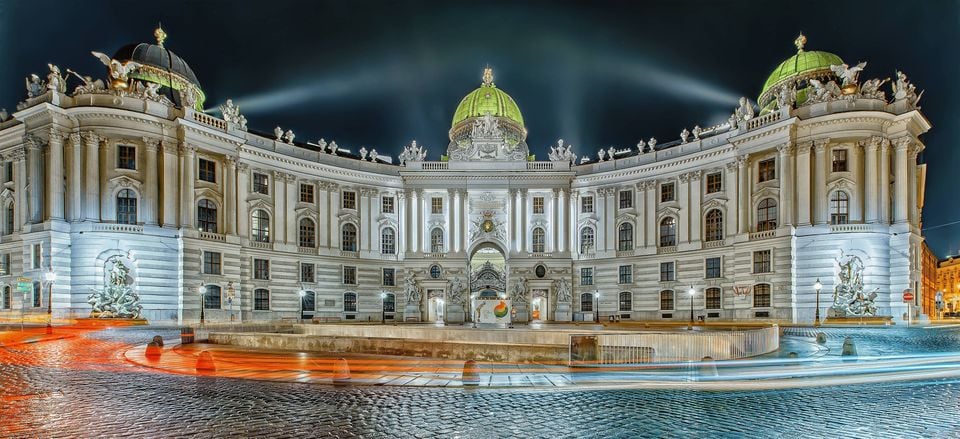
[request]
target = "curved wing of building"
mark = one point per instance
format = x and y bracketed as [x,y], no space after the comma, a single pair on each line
[120,198]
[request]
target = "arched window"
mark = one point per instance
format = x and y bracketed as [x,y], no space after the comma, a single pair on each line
[668,232]
[436,240]
[10,219]
[260,226]
[126,207]
[839,207]
[207,216]
[539,240]
[586,239]
[388,241]
[586,302]
[261,299]
[767,215]
[713,296]
[349,241]
[308,233]
[625,241]
[350,302]
[211,297]
[666,300]
[714,225]
[761,296]
[626,301]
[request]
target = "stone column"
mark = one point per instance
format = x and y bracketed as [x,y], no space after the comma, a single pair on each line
[402,225]
[424,209]
[561,225]
[170,195]
[913,209]
[821,206]
[414,221]
[901,180]
[516,220]
[54,175]
[279,207]
[744,208]
[803,183]
[91,184]
[457,220]
[552,231]
[640,203]
[610,221]
[243,210]
[151,189]
[683,197]
[230,194]
[696,211]
[333,213]
[871,183]
[292,193]
[650,214]
[573,242]
[524,244]
[34,174]
[786,183]
[20,180]
[885,181]
[730,190]
[364,213]
[187,181]
[74,178]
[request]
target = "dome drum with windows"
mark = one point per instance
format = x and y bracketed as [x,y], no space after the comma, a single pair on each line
[798,70]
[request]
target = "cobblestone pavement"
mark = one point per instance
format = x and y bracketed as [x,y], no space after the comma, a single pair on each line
[81,387]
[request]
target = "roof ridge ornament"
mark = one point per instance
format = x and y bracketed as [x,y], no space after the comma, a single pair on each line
[159,34]
[800,42]
[488,77]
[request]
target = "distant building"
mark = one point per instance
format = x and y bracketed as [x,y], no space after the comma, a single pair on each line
[926,297]
[948,281]
[130,182]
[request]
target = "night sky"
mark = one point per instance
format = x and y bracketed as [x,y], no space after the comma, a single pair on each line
[378,74]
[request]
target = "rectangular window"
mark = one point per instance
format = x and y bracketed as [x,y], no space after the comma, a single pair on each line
[714,182]
[389,277]
[5,264]
[261,269]
[667,272]
[387,205]
[537,205]
[626,199]
[666,300]
[212,261]
[37,294]
[713,298]
[626,274]
[308,273]
[306,193]
[126,157]
[712,266]
[840,160]
[349,200]
[261,183]
[586,276]
[436,205]
[586,302]
[36,256]
[350,302]
[761,296]
[7,298]
[212,297]
[666,192]
[350,275]
[586,204]
[261,300]
[8,171]
[208,170]
[766,170]
[761,261]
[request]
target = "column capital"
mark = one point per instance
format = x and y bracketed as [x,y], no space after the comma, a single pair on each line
[230,160]
[820,144]
[785,148]
[151,144]
[75,139]
[401,195]
[742,160]
[91,137]
[32,141]
[902,143]
[57,134]
[17,154]
[804,147]
[731,166]
[523,193]
[188,150]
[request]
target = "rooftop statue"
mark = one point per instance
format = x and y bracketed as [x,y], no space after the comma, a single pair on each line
[652,143]
[412,152]
[684,135]
[786,95]
[119,72]
[561,153]
[611,153]
[823,92]
[55,81]
[363,153]
[231,114]
[870,89]
[35,86]
[745,111]
[847,74]
[278,133]
[289,136]
[696,132]
[904,90]
[89,85]
[641,146]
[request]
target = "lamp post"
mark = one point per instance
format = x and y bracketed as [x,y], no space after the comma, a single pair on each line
[50,277]
[817,286]
[596,309]
[300,306]
[691,292]
[474,316]
[383,308]
[201,290]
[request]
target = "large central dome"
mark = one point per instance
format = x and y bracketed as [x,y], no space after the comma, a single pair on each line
[798,70]
[488,99]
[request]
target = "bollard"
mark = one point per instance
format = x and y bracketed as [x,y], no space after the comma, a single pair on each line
[205,363]
[792,355]
[341,372]
[708,368]
[186,335]
[158,340]
[849,348]
[821,338]
[471,373]
[153,351]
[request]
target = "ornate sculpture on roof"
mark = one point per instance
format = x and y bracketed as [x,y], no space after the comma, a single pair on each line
[561,153]
[413,153]
[89,85]
[278,133]
[652,144]
[684,135]
[4,115]
[487,126]
[696,132]
[231,114]
[373,155]
[904,90]
[363,153]
[870,89]
[55,80]
[119,71]
[786,95]
[848,75]
[849,298]
[289,136]
[642,146]
[333,147]
[35,86]
[823,92]
[744,112]
[601,154]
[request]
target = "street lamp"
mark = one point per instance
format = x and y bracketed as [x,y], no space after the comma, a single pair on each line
[817,286]
[691,292]
[300,307]
[596,309]
[50,277]
[201,290]
[383,308]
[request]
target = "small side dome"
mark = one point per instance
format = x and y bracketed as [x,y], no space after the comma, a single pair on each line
[161,66]
[798,68]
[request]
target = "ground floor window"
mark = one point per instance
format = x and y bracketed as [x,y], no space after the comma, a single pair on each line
[761,296]
[350,302]
[37,293]
[211,297]
[666,300]
[7,299]
[586,302]
[626,301]
[713,298]
[261,299]
[389,303]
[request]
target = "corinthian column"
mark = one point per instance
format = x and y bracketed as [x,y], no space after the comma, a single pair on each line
[34,172]
[187,182]
[786,183]
[885,181]
[55,174]
[20,180]
[91,184]
[822,212]
[230,195]
[75,177]
[170,195]
[151,198]
[744,208]
[803,183]
[871,183]
[901,175]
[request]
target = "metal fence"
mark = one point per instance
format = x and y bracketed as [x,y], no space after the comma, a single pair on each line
[664,347]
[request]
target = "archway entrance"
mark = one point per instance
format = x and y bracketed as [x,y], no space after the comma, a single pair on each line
[488,285]
[538,306]
[435,309]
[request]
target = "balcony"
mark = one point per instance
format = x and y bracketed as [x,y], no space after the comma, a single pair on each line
[435,255]
[766,234]
[207,236]
[118,228]
[666,250]
[766,119]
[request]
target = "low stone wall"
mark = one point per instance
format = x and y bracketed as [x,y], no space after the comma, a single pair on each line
[459,350]
[560,337]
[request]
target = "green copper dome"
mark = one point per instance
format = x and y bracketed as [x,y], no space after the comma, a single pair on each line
[802,66]
[488,99]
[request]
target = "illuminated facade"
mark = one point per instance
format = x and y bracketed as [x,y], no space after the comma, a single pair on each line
[749,213]
[948,282]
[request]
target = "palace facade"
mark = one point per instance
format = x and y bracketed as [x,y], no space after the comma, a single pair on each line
[130,176]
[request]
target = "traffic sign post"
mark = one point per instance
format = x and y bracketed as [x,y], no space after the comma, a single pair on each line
[908,299]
